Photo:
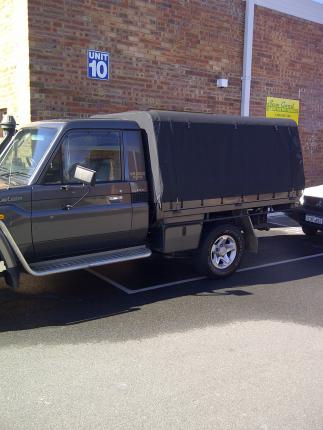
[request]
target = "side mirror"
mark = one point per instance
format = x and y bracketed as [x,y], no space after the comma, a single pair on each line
[85,175]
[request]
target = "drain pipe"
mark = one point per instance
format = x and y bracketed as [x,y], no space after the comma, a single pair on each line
[247,57]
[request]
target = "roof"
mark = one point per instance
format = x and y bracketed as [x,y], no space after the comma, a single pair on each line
[86,122]
[198,117]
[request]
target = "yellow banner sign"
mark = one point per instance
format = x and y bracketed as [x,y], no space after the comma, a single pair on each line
[282,108]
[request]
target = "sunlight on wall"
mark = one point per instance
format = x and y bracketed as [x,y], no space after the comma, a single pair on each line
[22,99]
[14,66]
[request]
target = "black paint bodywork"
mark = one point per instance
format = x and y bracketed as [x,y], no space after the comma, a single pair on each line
[312,206]
[43,228]
[196,172]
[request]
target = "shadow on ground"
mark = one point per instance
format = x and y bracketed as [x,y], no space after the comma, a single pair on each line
[78,307]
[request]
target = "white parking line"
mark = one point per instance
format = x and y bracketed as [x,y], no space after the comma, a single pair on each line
[110,281]
[276,214]
[198,278]
[288,230]
[277,263]
[279,225]
[293,228]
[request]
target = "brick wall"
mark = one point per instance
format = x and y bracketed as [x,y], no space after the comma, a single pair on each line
[14,64]
[167,54]
[164,54]
[288,63]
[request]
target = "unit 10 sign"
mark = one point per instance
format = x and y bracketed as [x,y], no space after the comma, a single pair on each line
[97,65]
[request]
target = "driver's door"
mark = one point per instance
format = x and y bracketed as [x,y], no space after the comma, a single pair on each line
[99,221]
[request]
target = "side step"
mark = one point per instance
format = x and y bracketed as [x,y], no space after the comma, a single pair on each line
[68,264]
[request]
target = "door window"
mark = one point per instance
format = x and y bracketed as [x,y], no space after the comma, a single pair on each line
[97,150]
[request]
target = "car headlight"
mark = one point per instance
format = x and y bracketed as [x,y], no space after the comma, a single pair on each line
[301,200]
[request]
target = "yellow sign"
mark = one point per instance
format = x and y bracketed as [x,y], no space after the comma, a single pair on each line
[282,108]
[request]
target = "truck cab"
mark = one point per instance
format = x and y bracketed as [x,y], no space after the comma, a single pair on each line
[51,214]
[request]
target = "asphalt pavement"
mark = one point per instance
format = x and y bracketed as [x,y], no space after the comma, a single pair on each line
[153,345]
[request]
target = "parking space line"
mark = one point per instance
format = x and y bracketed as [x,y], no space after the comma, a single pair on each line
[198,278]
[140,290]
[293,227]
[276,214]
[110,281]
[276,223]
[277,263]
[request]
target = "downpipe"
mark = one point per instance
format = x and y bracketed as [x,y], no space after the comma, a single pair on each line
[247,57]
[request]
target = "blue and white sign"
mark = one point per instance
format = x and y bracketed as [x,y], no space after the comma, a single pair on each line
[97,65]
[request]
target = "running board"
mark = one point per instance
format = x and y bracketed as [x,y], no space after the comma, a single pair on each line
[61,265]
[49,267]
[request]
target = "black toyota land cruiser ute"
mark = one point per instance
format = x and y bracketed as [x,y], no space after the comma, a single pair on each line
[81,193]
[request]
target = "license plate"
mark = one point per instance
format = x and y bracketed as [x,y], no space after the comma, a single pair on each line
[314,219]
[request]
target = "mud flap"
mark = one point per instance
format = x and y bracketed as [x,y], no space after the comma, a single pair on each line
[250,236]
[12,277]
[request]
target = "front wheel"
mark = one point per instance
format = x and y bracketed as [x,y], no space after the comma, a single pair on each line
[221,251]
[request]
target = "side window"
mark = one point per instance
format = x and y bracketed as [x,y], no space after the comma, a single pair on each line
[135,161]
[98,150]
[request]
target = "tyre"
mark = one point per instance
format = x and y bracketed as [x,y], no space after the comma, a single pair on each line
[221,251]
[309,231]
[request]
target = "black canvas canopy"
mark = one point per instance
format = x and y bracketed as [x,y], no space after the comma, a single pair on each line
[202,156]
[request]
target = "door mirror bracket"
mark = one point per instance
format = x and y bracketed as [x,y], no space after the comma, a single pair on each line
[87,177]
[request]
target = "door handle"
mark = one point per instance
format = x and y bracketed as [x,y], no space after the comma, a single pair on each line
[115,199]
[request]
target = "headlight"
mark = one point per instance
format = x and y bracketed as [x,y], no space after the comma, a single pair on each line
[301,200]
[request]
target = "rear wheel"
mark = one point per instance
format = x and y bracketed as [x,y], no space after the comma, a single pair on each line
[309,231]
[221,251]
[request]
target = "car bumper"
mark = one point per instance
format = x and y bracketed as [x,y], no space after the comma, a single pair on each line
[307,216]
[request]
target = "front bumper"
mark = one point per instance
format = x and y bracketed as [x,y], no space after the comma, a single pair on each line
[308,217]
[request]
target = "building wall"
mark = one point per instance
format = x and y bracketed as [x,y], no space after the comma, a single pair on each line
[14,65]
[288,63]
[168,54]
[164,54]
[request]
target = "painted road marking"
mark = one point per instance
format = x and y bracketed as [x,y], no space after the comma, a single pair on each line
[276,214]
[277,263]
[140,290]
[288,230]
[109,280]
[198,278]
[279,225]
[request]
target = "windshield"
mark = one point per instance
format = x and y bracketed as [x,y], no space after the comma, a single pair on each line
[19,162]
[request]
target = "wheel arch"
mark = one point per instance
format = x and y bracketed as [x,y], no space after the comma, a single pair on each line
[240,219]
